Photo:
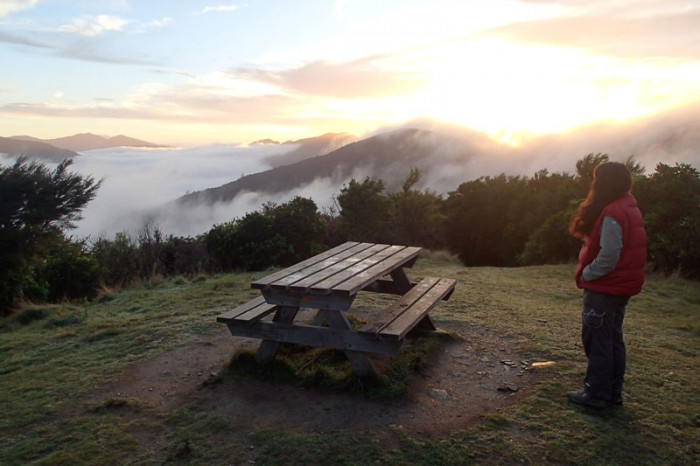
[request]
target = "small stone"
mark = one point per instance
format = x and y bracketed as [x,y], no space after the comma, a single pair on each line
[439,394]
[506,387]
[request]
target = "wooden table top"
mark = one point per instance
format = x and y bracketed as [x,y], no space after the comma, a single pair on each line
[341,271]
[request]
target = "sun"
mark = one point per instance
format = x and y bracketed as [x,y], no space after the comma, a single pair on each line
[511,91]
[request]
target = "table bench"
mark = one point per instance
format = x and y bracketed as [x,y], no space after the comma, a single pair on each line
[329,282]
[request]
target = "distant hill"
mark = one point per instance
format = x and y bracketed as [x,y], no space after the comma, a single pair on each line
[389,156]
[33,148]
[448,156]
[89,141]
[308,147]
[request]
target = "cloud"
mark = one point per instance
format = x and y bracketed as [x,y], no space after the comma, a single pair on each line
[7,7]
[219,8]
[139,182]
[666,32]
[94,25]
[76,51]
[361,78]
[19,40]
[154,24]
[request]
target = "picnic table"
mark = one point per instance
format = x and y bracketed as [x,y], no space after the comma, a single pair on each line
[329,283]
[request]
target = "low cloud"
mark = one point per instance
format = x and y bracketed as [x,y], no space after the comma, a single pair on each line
[361,78]
[629,30]
[219,8]
[138,182]
[142,184]
[7,7]
[94,25]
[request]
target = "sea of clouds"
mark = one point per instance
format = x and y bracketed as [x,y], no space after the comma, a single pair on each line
[139,186]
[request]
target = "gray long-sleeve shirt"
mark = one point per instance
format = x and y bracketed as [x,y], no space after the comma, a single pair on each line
[610,249]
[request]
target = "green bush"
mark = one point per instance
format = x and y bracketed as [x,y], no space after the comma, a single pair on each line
[276,236]
[70,273]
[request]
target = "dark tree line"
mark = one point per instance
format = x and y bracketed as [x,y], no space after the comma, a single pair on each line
[496,221]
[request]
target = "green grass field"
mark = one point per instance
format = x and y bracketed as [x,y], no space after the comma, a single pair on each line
[53,357]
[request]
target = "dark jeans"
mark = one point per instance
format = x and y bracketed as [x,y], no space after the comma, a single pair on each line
[602,341]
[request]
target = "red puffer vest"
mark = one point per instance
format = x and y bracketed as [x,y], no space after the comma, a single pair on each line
[628,277]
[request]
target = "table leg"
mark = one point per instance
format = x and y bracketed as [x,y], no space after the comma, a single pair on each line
[268,348]
[426,323]
[360,361]
[403,284]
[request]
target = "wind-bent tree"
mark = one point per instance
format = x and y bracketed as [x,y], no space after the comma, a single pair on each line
[36,205]
[417,214]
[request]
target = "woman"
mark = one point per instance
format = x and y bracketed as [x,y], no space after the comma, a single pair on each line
[610,271]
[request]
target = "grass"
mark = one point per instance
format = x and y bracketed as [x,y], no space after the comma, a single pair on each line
[53,357]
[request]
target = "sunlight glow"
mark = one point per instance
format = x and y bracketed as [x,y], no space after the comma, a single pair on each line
[510,91]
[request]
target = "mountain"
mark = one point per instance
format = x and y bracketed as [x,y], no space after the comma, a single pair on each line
[388,156]
[89,141]
[308,147]
[34,149]
[448,156]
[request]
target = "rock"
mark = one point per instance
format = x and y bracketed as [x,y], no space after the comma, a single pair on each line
[439,394]
[507,387]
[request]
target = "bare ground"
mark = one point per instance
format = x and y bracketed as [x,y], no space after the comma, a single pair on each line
[478,374]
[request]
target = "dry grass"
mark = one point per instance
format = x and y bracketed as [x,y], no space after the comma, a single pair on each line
[54,355]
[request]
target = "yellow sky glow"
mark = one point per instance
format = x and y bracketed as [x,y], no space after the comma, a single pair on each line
[509,68]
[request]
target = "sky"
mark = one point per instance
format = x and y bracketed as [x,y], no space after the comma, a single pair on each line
[217,71]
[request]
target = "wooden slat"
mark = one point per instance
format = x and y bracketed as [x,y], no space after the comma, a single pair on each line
[398,307]
[332,283]
[358,281]
[348,263]
[303,274]
[265,281]
[252,310]
[322,337]
[403,323]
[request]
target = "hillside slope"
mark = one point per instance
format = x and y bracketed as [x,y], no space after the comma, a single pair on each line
[34,149]
[88,141]
[389,156]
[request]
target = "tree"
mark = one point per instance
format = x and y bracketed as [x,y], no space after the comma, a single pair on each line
[365,212]
[417,217]
[476,220]
[37,205]
[670,202]
[277,235]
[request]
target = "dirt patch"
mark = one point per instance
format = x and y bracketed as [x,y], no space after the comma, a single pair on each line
[465,379]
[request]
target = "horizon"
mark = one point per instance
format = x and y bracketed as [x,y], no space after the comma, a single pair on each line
[512,69]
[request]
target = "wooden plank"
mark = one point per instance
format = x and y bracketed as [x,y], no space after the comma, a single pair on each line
[336,283]
[304,273]
[403,323]
[397,308]
[348,263]
[265,281]
[282,297]
[321,337]
[385,287]
[360,280]
[257,305]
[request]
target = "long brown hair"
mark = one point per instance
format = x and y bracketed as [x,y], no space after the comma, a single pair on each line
[611,180]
